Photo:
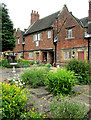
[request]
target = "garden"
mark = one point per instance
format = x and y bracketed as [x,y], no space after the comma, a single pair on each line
[59,83]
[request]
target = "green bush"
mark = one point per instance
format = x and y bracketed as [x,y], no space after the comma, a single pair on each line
[61,81]
[68,109]
[4,62]
[82,70]
[13,102]
[34,77]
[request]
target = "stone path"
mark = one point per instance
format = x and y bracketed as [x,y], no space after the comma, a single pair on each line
[41,98]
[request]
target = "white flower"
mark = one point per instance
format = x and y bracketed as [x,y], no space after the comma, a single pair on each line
[16,82]
[20,84]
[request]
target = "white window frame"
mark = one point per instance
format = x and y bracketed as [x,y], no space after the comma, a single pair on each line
[37,43]
[49,34]
[69,33]
[35,37]
[31,55]
[65,55]
[39,36]
[19,54]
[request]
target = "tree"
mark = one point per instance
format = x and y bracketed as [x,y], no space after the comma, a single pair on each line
[8,39]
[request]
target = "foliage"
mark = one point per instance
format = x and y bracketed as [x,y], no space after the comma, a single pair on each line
[8,39]
[82,70]
[4,62]
[41,64]
[61,81]
[68,109]
[13,101]
[35,77]
[48,65]
[32,113]
[25,62]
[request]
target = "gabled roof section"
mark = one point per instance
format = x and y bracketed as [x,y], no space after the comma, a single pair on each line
[42,24]
[84,21]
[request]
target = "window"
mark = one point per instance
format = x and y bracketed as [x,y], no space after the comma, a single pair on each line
[37,43]
[30,54]
[69,33]
[39,36]
[69,54]
[65,55]
[49,34]
[35,37]
[19,55]
[18,41]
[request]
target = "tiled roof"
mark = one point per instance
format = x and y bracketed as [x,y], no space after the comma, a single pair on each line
[84,21]
[42,24]
[47,22]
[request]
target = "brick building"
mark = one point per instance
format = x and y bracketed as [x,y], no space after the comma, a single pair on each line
[19,43]
[55,38]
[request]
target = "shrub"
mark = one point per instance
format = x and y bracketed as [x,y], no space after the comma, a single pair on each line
[13,101]
[61,81]
[68,109]
[34,77]
[4,62]
[82,70]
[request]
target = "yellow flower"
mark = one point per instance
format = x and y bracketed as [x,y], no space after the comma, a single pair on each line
[13,101]
[30,110]
[33,108]
[16,103]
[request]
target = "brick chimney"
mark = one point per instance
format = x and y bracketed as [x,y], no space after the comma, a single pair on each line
[89,17]
[34,17]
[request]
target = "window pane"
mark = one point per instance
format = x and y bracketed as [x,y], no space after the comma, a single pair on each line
[35,37]
[69,54]
[69,33]
[37,43]
[49,34]
[30,54]
[65,55]
[39,36]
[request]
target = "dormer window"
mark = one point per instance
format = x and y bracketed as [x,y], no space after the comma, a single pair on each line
[69,33]
[49,34]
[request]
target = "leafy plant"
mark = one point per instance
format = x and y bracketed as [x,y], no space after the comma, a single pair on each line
[48,65]
[13,101]
[82,70]
[61,81]
[68,109]
[35,77]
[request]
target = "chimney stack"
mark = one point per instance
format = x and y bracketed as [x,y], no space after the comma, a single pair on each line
[89,17]
[34,16]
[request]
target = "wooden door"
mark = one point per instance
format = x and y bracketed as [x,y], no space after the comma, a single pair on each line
[80,55]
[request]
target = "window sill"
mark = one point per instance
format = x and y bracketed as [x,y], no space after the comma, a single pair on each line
[69,38]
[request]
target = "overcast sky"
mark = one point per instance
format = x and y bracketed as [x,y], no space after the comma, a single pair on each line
[20,10]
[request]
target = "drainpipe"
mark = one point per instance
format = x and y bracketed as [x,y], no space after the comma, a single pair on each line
[23,44]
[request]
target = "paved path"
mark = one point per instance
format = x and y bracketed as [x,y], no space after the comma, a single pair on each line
[41,98]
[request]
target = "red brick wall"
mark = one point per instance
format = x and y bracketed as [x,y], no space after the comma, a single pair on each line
[18,47]
[78,34]
[43,44]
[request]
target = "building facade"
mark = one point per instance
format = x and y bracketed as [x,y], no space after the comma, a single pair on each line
[56,38]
